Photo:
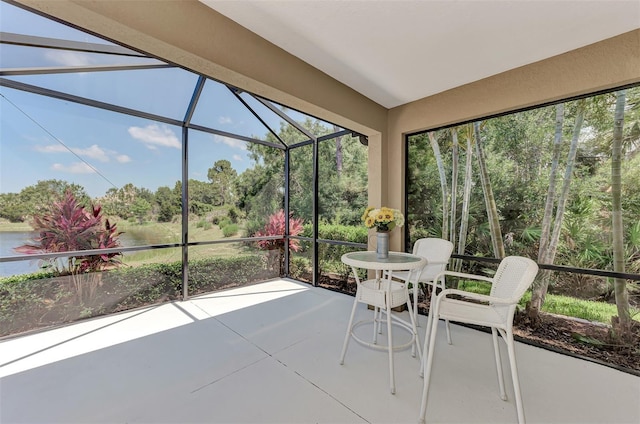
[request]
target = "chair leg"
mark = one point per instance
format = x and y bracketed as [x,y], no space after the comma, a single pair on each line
[496,350]
[348,335]
[390,343]
[442,287]
[428,358]
[414,326]
[514,375]
[416,290]
[425,347]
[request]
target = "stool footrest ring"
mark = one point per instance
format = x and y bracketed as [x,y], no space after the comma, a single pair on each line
[400,324]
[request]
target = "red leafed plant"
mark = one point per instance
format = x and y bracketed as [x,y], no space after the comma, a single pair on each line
[68,226]
[276,227]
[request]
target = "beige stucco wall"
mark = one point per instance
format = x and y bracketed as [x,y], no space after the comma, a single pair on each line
[190,34]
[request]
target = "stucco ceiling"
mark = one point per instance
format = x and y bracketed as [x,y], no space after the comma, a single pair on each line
[397,51]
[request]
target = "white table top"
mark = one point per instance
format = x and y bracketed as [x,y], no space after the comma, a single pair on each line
[397,261]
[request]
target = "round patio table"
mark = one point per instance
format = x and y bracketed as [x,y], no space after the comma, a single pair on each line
[384,294]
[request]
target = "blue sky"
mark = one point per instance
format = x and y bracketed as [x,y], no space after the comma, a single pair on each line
[45,138]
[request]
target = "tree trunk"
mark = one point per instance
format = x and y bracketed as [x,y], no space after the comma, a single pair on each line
[338,152]
[540,287]
[540,291]
[466,196]
[620,287]
[454,186]
[564,193]
[443,184]
[490,202]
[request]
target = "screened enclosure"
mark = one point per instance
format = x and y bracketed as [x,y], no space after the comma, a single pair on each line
[128,181]
[171,184]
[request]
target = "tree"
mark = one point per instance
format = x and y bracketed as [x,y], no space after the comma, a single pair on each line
[140,208]
[443,184]
[424,191]
[168,206]
[12,208]
[342,173]
[259,189]
[490,203]
[547,256]
[454,185]
[338,152]
[468,175]
[120,201]
[35,198]
[620,287]
[222,176]
[540,287]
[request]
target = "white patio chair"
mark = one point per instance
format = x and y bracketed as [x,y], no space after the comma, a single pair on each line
[512,279]
[437,252]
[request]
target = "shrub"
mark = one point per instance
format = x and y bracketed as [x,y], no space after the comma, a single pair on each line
[299,266]
[233,214]
[224,222]
[39,300]
[230,230]
[68,226]
[276,227]
[206,275]
[330,254]
[252,227]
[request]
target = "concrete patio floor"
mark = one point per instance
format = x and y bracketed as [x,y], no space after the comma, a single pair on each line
[268,353]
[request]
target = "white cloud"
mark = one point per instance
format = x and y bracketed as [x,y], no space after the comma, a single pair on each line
[232,142]
[74,168]
[225,120]
[68,58]
[237,158]
[93,152]
[52,148]
[154,135]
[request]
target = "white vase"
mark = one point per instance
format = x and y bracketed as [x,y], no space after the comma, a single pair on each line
[382,244]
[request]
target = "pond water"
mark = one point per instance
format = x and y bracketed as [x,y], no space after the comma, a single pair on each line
[12,239]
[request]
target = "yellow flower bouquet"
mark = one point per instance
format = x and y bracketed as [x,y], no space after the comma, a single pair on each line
[382,219]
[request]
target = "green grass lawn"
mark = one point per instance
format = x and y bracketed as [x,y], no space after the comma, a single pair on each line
[5,225]
[560,305]
[160,233]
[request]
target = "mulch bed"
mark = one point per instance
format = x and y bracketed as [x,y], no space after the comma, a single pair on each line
[587,340]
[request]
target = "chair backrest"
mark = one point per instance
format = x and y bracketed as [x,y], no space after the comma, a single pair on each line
[512,279]
[437,252]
